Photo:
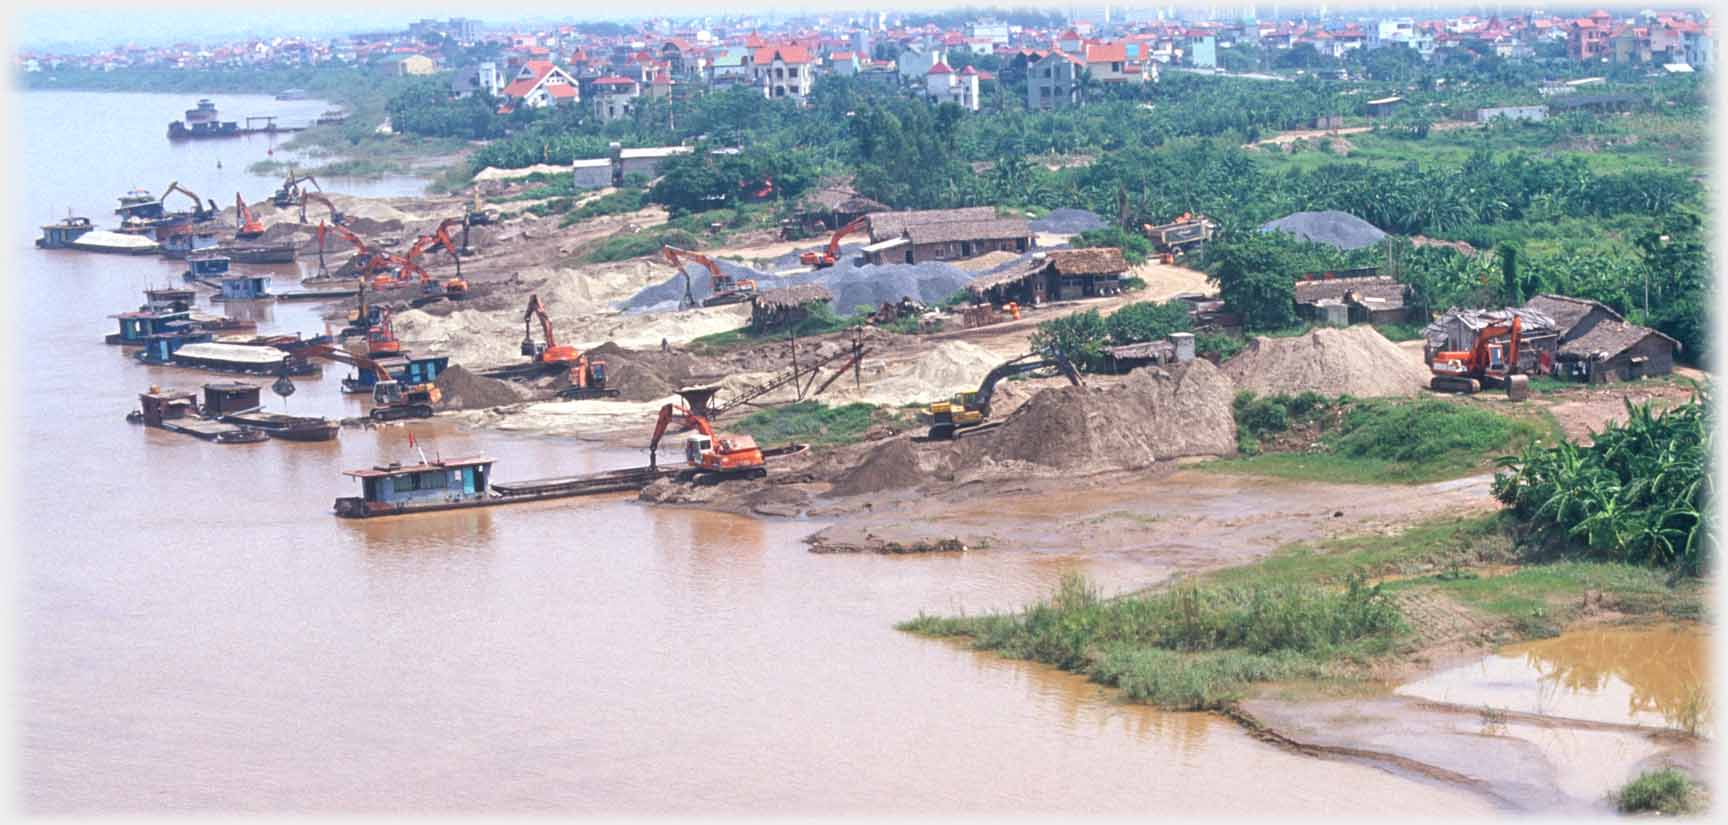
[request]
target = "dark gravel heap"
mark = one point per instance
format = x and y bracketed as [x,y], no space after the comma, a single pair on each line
[1333,228]
[1069,222]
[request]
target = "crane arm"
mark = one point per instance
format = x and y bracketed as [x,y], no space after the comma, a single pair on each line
[197,202]
[248,221]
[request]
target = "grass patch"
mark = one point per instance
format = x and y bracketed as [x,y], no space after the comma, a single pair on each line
[1430,545]
[636,245]
[811,422]
[1400,332]
[1548,591]
[612,203]
[1192,646]
[1412,441]
[1667,791]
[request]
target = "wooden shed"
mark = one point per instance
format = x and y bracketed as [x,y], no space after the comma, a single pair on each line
[1056,275]
[1617,351]
[1374,300]
[776,308]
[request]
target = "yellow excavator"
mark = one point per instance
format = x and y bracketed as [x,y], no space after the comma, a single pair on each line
[969,412]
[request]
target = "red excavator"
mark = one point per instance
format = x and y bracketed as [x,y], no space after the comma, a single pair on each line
[455,288]
[587,377]
[247,223]
[370,262]
[393,400]
[727,290]
[720,455]
[336,216]
[1491,361]
[831,255]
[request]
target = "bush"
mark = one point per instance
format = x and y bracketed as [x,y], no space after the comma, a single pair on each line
[809,422]
[1147,321]
[1417,432]
[1218,345]
[1135,247]
[1081,336]
[1666,791]
[1133,283]
[622,247]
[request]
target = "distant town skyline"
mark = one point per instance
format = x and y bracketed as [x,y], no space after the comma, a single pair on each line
[85,26]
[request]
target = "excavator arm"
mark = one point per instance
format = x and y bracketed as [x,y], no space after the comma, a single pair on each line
[336,216]
[247,223]
[198,210]
[831,254]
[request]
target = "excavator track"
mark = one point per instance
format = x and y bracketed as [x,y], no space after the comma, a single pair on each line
[1446,383]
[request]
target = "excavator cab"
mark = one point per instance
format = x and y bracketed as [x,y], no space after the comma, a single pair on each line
[387,393]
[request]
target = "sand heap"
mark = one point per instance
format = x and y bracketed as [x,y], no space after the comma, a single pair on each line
[493,337]
[1156,414]
[894,465]
[953,367]
[1356,361]
[644,375]
[463,390]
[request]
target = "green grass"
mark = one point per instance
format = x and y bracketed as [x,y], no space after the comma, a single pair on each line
[1666,791]
[1191,646]
[1428,545]
[1400,332]
[1413,441]
[810,422]
[1551,590]
[636,245]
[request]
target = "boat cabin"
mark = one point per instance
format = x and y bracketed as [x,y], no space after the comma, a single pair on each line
[183,241]
[408,369]
[394,486]
[160,348]
[245,288]
[160,405]
[138,326]
[230,397]
[60,235]
[169,299]
[140,204]
[206,267]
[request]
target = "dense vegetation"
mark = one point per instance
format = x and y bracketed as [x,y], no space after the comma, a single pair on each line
[1637,494]
[1666,791]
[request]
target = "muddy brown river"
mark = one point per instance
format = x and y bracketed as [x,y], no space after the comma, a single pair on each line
[199,634]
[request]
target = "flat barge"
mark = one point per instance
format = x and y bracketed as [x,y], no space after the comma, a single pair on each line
[177,412]
[464,483]
[237,402]
[181,351]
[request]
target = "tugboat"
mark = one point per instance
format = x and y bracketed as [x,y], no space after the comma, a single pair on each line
[202,121]
[61,234]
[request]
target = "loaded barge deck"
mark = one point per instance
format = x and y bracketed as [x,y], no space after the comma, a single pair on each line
[456,484]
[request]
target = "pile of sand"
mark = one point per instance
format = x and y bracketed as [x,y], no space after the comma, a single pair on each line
[493,337]
[1156,414]
[894,465]
[571,418]
[644,375]
[953,367]
[1356,361]
[463,390]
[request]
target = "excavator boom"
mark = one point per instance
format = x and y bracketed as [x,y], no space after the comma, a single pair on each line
[831,254]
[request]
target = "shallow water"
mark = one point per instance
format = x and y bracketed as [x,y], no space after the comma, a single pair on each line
[198,633]
[1646,676]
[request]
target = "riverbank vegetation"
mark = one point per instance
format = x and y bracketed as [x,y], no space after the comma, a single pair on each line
[1373,441]
[1324,612]
[1637,493]
[816,424]
[1666,791]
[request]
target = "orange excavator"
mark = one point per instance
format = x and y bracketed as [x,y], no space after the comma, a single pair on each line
[336,216]
[727,290]
[735,456]
[831,255]
[587,376]
[455,288]
[247,223]
[370,261]
[1491,361]
[394,401]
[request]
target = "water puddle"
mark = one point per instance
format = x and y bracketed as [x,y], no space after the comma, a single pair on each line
[1654,676]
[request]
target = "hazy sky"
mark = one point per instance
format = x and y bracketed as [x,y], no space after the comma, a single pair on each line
[102,23]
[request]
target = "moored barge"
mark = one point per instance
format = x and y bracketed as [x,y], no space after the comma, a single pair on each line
[237,402]
[177,412]
[461,483]
[61,234]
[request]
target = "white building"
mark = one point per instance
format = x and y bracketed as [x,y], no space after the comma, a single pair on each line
[783,71]
[944,85]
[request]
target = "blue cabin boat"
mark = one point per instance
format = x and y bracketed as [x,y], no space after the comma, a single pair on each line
[61,234]
[140,204]
[159,349]
[410,370]
[181,242]
[208,268]
[169,299]
[436,485]
[138,327]
[244,288]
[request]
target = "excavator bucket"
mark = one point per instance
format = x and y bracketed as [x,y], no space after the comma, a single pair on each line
[528,347]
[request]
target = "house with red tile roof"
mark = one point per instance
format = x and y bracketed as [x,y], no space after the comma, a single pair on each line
[538,84]
[783,71]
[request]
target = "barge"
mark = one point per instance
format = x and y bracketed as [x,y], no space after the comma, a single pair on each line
[118,243]
[462,483]
[140,204]
[256,252]
[242,288]
[177,412]
[237,402]
[202,121]
[181,351]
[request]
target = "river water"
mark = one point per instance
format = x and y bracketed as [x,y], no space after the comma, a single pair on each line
[199,634]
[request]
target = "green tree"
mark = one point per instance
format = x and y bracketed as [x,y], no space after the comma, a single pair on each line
[1147,321]
[1081,336]
[1255,274]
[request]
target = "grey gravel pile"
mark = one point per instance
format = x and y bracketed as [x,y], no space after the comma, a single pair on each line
[1068,222]
[1333,228]
[853,286]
